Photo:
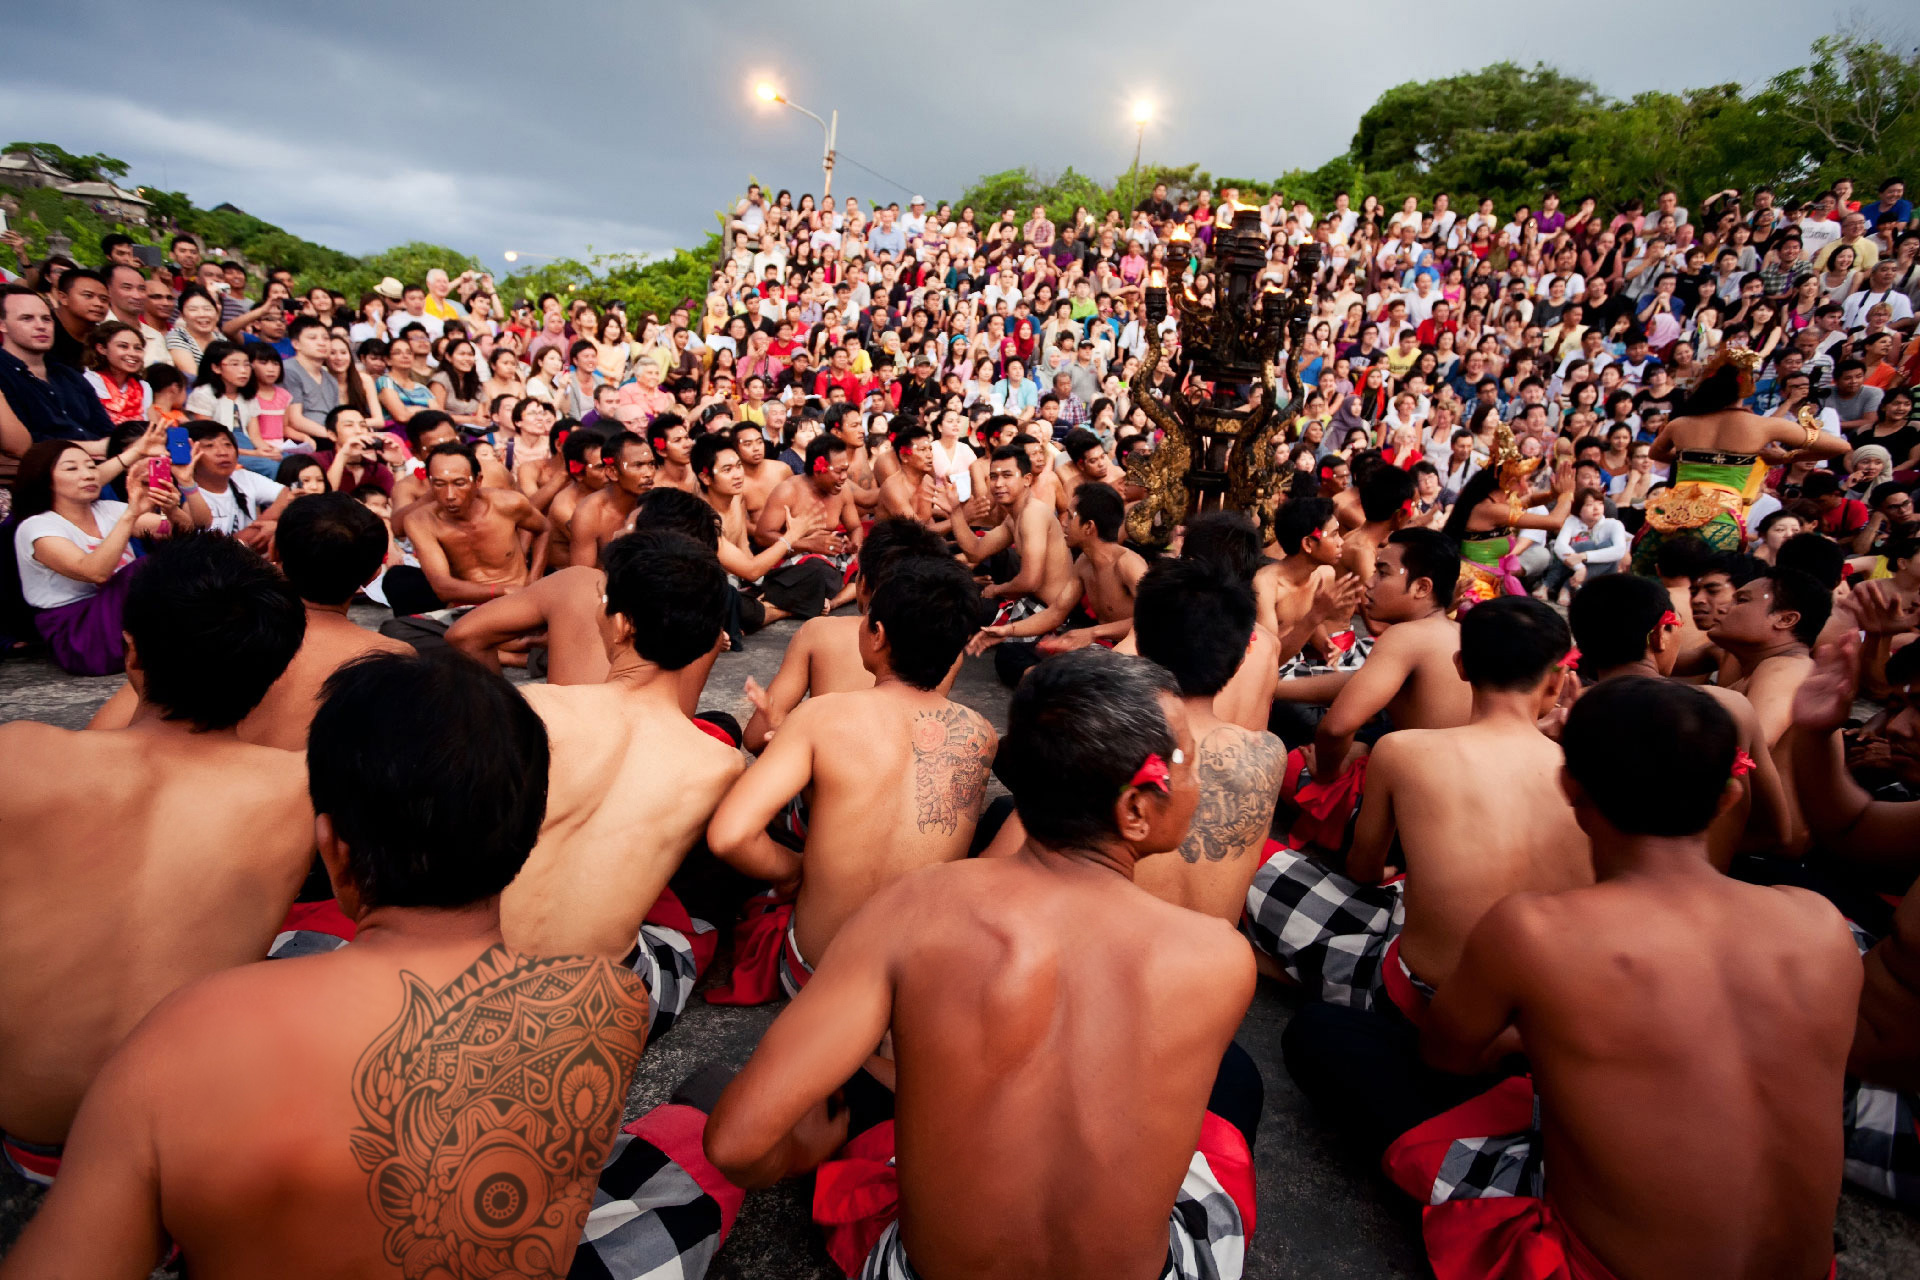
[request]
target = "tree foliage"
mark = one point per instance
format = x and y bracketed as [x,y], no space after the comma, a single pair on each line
[81,168]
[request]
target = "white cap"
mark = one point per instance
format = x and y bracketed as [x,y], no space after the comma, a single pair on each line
[917,200]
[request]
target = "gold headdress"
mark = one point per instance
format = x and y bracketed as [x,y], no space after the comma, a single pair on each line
[1745,359]
[1512,468]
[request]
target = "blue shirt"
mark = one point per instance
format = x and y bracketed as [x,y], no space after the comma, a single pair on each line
[1902,211]
[62,407]
[894,241]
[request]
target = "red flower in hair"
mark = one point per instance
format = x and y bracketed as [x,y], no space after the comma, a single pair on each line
[1151,773]
[820,466]
[1669,619]
[1742,764]
[1570,659]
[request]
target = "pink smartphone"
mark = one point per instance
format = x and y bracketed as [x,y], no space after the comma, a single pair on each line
[158,472]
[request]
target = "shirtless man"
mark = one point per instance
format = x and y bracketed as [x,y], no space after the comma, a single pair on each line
[426,431]
[1625,626]
[1196,622]
[1028,525]
[673,449]
[584,455]
[567,607]
[114,896]
[723,481]
[1665,990]
[896,774]
[328,549]
[1384,496]
[844,424]
[291,1118]
[468,538]
[633,780]
[824,654]
[1877,843]
[763,473]
[600,517]
[911,491]
[1040,455]
[1087,463]
[1304,591]
[1353,938]
[1104,577]
[1058,1027]
[1770,630]
[813,576]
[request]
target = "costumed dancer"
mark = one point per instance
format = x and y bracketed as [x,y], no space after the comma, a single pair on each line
[1492,511]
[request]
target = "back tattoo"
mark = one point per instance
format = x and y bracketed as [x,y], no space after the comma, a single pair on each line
[951,751]
[1238,773]
[488,1108]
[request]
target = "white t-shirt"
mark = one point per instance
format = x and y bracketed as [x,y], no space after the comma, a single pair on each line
[42,587]
[1816,234]
[246,497]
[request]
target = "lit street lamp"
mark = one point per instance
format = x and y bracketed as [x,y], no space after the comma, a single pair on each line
[1142,112]
[514,255]
[767,93]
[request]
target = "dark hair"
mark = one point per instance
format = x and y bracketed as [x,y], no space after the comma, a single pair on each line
[209,375]
[1384,492]
[1228,540]
[288,472]
[1509,644]
[821,449]
[893,540]
[433,772]
[426,420]
[1434,556]
[665,509]
[1820,484]
[303,323]
[674,592]
[212,625]
[1081,442]
[329,546]
[1102,506]
[1653,756]
[162,377]
[1079,726]
[1612,616]
[1687,556]
[930,608]
[1014,453]
[1814,555]
[208,429]
[1298,519]
[707,450]
[1799,592]
[1195,619]
[453,449]
[574,449]
[658,428]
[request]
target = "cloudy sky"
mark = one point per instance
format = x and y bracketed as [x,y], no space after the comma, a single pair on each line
[623,125]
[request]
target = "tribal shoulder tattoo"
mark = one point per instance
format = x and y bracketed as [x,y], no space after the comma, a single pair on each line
[1239,776]
[488,1108]
[952,749]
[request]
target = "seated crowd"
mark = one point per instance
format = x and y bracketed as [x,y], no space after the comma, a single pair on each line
[1523,754]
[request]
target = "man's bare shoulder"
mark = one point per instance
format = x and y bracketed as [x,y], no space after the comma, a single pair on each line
[33,784]
[510,502]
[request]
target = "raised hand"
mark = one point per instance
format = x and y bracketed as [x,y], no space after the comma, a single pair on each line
[1825,698]
[1877,610]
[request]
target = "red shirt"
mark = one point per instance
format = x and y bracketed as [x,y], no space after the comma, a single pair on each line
[852,383]
[1850,517]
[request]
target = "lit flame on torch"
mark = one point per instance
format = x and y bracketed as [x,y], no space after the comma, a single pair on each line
[1180,235]
[1157,278]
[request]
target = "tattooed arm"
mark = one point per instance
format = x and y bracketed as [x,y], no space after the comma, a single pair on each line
[1239,775]
[952,751]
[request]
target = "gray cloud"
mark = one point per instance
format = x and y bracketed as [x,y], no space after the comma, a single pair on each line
[624,126]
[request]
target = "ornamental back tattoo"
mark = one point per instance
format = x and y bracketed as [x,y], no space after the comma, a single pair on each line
[951,753]
[1238,773]
[488,1108]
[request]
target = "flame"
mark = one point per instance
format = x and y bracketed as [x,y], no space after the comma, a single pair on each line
[1157,278]
[1180,234]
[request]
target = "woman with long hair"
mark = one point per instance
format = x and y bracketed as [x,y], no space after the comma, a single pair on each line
[1806,300]
[615,351]
[402,392]
[455,386]
[506,376]
[1490,513]
[75,550]
[1839,279]
[196,326]
[223,392]
[1716,448]
[356,385]
[116,355]
[303,474]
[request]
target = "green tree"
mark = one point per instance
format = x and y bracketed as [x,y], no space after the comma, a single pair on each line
[1422,125]
[83,168]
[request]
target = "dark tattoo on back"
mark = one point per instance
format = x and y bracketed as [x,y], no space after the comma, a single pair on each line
[488,1108]
[951,752]
[1239,774]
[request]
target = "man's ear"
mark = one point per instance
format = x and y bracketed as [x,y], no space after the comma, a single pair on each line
[136,673]
[1132,814]
[333,856]
[1785,620]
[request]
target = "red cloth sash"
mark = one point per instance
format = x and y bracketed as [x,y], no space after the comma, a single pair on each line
[1406,997]
[679,1132]
[669,912]
[757,941]
[1325,807]
[319,917]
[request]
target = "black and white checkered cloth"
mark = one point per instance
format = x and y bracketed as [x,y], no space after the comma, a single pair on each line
[1206,1238]
[1883,1144]
[650,1220]
[664,962]
[1329,933]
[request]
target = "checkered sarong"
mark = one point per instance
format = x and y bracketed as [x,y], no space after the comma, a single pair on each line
[1883,1129]
[1488,1146]
[1206,1238]
[663,959]
[1329,933]
[661,1210]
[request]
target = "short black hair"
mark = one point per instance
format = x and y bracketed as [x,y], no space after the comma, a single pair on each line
[213,626]
[579,442]
[1079,727]
[1802,593]
[821,449]
[706,452]
[1509,644]
[1195,619]
[1613,615]
[1687,556]
[1298,519]
[930,609]
[429,420]
[666,509]
[1429,554]
[1652,755]
[894,539]
[1820,484]
[661,424]
[433,773]
[1102,506]
[1228,540]
[1081,442]
[1384,492]
[1014,453]
[673,591]
[453,449]
[1814,555]
[329,547]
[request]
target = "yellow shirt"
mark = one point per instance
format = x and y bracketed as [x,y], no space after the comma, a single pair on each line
[444,308]
[1399,363]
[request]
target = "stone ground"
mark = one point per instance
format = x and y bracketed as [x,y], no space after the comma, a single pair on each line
[1323,1213]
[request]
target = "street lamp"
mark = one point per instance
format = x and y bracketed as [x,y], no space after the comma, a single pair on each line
[767,93]
[1142,112]
[514,255]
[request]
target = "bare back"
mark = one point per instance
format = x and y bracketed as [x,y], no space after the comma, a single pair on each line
[132,861]
[330,642]
[1239,773]
[899,777]
[1031,1008]
[1479,814]
[631,787]
[1433,695]
[1691,1114]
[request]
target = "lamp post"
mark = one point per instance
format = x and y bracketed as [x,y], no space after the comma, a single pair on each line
[830,130]
[1142,112]
[514,255]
